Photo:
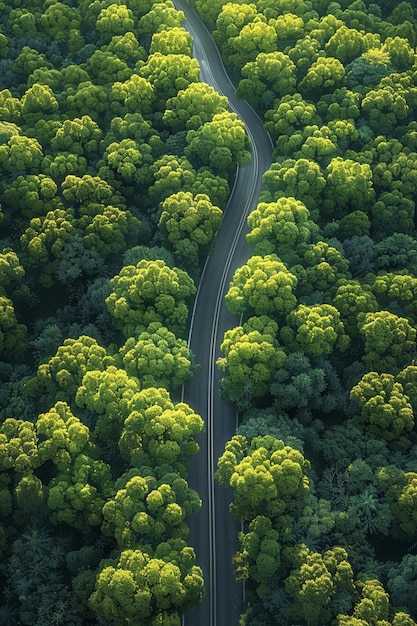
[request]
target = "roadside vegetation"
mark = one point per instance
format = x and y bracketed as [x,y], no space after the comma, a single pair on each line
[323,368]
[115,165]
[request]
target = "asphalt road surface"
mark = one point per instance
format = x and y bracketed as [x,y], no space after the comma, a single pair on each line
[213,532]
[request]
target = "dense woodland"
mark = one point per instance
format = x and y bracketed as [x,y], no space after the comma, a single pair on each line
[323,367]
[115,166]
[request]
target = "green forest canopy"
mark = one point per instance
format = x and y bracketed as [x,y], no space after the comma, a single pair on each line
[116,164]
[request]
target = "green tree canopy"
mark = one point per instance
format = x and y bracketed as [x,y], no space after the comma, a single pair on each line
[252,355]
[268,478]
[263,286]
[157,358]
[149,292]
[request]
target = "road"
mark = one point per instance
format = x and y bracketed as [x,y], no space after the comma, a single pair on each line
[213,532]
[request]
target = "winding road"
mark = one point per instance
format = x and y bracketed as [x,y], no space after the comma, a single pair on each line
[213,532]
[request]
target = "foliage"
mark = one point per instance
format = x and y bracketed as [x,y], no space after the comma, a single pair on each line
[158,431]
[280,227]
[268,478]
[264,285]
[385,409]
[137,584]
[316,330]
[150,509]
[157,358]
[252,355]
[189,225]
[315,579]
[149,292]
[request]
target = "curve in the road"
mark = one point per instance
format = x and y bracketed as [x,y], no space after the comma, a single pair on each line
[213,532]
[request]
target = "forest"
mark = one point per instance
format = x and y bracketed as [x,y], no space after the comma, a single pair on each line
[116,164]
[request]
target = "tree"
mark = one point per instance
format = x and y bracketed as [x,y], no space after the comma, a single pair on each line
[85,190]
[149,292]
[259,556]
[61,376]
[151,588]
[348,43]
[88,99]
[298,178]
[397,252]
[369,68]
[37,103]
[77,495]
[105,68]
[393,213]
[280,227]
[272,72]
[189,224]
[354,224]
[353,300]
[109,230]
[159,432]
[32,195]
[12,334]
[58,20]
[44,239]
[361,254]
[115,19]
[157,358]
[401,495]
[136,94]
[62,436]
[268,478]
[127,48]
[28,60]
[169,74]
[315,579]
[10,107]
[22,493]
[107,392]
[133,126]
[11,271]
[304,53]
[302,389]
[214,186]
[263,285]
[210,13]
[192,107]
[160,16]
[127,161]
[324,75]
[79,136]
[255,38]
[252,355]
[21,153]
[289,26]
[175,40]
[341,104]
[222,144]
[146,507]
[230,21]
[385,107]
[348,187]
[171,174]
[389,341]
[288,122]
[400,288]
[385,409]
[373,608]
[322,267]
[401,578]
[316,330]
[19,446]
